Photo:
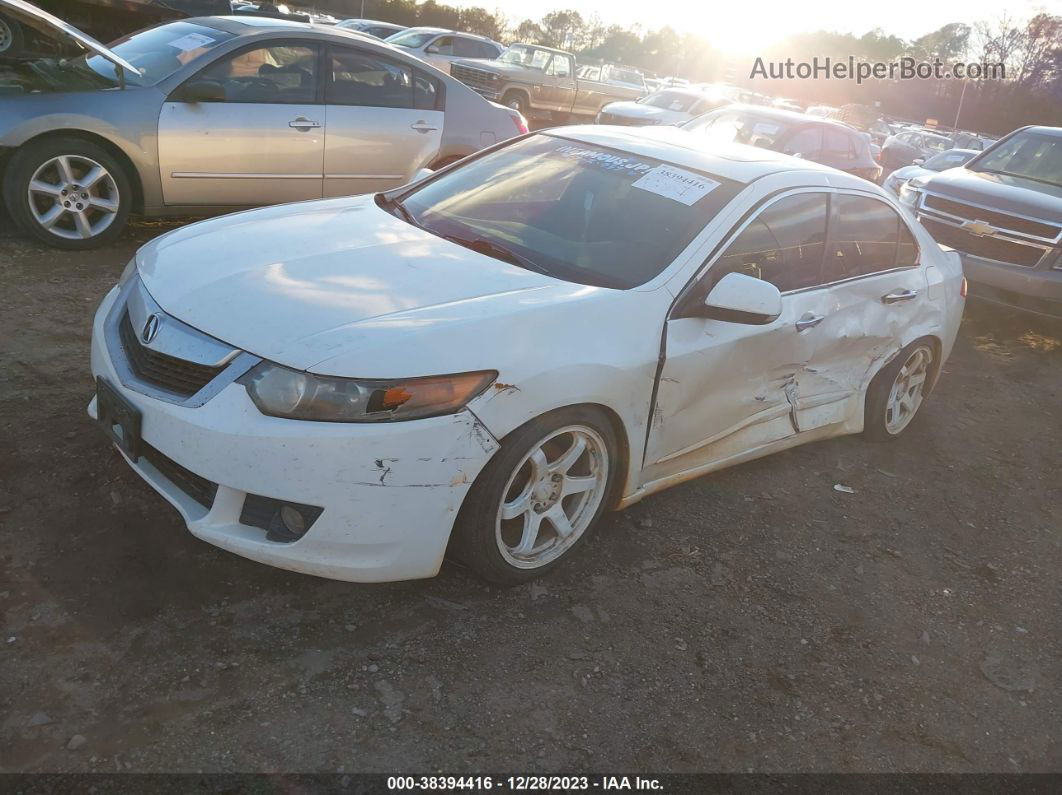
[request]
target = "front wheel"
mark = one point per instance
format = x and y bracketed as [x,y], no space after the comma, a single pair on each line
[897,392]
[538,497]
[518,102]
[68,192]
[12,39]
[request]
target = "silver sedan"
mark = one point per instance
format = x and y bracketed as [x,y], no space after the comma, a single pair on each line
[207,115]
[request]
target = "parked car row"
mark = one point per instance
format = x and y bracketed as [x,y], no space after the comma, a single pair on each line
[211,114]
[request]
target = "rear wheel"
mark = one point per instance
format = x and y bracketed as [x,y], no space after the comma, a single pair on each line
[68,192]
[539,496]
[11,39]
[897,392]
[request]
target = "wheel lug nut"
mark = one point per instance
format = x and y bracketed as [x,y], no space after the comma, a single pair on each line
[79,205]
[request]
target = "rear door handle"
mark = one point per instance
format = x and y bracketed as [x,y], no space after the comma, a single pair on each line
[422,127]
[896,296]
[302,123]
[809,320]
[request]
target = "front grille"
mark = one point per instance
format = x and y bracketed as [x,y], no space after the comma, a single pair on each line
[1009,223]
[474,78]
[168,372]
[198,488]
[993,248]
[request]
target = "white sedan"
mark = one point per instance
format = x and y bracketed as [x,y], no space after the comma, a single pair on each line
[480,363]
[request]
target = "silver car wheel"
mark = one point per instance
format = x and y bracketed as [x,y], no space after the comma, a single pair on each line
[7,37]
[73,197]
[552,496]
[906,394]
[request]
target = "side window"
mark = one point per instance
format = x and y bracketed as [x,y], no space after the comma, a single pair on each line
[837,145]
[807,143]
[359,78]
[907,253]
[466,48]
[487,50]
[590,72]
[865,237]
[427,92]
[443,45]
[782,245]
[278,74]
[560,66]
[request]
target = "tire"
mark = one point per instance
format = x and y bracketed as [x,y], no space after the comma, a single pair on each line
[497,547]
[517,100]
[12,40]
[90,216]
[887,416]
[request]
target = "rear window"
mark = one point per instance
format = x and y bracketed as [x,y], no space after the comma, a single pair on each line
[573,210]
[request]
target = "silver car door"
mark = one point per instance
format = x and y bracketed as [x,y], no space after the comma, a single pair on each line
[384,121]
[246,130]
[728,388]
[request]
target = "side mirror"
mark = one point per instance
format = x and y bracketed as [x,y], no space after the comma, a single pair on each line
[203,91]
[738,298]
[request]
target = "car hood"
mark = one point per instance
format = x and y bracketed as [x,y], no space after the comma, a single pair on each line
[500,67]
[910,172]
[43,21]
[638,110]
[342,287]
[1000,192]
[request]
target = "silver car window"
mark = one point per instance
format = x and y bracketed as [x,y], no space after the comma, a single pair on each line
[276,74]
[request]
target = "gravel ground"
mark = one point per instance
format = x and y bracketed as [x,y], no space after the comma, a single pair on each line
[756,619]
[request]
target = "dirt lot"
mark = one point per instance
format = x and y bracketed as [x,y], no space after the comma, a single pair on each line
[752,620]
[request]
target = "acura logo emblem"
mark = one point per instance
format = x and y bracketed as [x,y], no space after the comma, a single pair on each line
[151,329]
[979,228]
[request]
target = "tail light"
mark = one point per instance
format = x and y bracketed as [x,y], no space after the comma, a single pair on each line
[963,288]
[520,122]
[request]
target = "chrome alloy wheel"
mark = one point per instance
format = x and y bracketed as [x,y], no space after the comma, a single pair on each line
[73,197]
[906,394]
[552,496]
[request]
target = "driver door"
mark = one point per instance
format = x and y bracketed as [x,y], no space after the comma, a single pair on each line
[263,143]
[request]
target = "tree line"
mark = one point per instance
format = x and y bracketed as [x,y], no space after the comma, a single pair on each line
[1031,53]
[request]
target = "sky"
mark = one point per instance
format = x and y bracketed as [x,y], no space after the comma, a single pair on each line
[746,26]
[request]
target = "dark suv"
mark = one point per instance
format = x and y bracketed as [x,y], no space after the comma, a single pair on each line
[1002,212]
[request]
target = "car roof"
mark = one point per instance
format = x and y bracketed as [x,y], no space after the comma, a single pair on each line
[738,162]
[1055,132]
[781,114]
[540,47]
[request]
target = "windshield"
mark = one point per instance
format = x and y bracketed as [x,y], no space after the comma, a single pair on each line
[412,40]
[671,100]
[1030,155]
[934,144]
[946,160]
[526,56]
[572,210]
[157,52]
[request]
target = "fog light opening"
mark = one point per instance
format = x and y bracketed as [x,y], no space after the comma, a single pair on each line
[288,524]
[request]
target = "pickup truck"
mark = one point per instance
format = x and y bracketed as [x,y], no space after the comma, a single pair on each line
[541,83]
[1002,212]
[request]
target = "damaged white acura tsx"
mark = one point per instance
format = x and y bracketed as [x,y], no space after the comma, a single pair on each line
[478,364]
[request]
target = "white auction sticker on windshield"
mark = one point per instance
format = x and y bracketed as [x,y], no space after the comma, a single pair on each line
[193,41]
[677,184]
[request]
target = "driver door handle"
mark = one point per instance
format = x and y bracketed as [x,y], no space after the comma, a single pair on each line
[422,127]
[896,296]
[302,123]
[809,320]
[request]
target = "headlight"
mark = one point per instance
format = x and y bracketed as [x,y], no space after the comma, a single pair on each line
[909,193]
[280,392]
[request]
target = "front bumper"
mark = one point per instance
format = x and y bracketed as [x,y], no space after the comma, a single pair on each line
[1034,290]
[390,492]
